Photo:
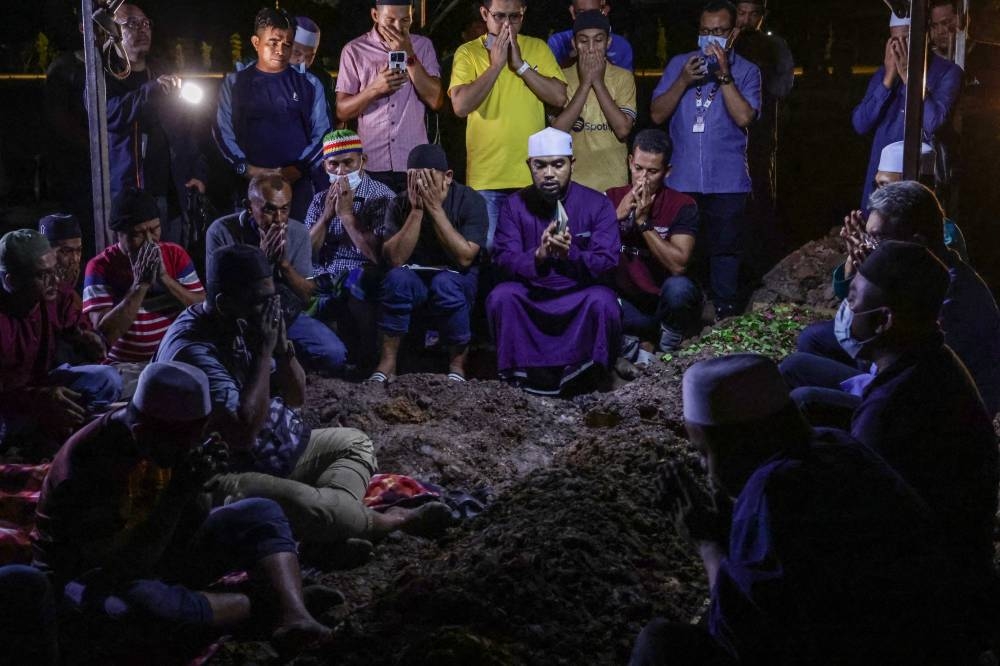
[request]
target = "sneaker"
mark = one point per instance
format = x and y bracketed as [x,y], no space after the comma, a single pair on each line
[670,340]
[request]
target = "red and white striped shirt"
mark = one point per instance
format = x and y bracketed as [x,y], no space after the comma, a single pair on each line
[108,279]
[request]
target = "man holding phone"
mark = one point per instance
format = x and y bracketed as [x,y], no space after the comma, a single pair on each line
[556,324]
[710,98]
[388,78]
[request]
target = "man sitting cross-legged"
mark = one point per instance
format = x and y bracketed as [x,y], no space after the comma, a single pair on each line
[41,402]
[557,244]
[433,234]
[319,477]
[118,526]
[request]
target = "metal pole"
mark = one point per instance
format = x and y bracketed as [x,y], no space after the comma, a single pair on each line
[97,116]
[916,68]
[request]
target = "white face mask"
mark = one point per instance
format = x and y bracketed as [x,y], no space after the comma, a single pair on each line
[842,330]
[353,178]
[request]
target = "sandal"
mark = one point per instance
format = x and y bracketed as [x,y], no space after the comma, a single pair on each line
[377,378]
[456,377]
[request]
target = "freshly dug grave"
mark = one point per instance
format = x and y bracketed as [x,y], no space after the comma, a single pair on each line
[566,565]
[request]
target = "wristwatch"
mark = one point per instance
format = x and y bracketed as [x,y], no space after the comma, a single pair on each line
[645,226]
[523,68]
[241,168]
[723,79]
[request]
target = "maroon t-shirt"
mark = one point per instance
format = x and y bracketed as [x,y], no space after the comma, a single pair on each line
[85,496]
[28,342]
[672,214]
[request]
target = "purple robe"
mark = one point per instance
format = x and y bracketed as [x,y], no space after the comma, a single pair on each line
[560,313]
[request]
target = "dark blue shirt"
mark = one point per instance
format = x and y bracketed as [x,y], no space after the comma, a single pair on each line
[619,51]
[883,110]
[830,557]
[272,120]
[924,416]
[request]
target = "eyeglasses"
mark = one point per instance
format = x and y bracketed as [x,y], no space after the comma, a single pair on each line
[715,32]
[871,241]
[137,24]
[513,17]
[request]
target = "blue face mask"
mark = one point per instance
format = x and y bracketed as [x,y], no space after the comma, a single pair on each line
[842,330]
[705,40]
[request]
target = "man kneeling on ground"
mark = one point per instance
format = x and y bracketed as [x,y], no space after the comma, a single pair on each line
[114,525]
[557,243]
[319,477]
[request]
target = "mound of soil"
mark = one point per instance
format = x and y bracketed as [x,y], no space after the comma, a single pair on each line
[567,565]
[803,277]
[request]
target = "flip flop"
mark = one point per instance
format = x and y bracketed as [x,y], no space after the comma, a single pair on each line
[456,377]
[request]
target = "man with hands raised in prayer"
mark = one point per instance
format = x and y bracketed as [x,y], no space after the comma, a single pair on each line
[658,226]
[502,83]
[601,109]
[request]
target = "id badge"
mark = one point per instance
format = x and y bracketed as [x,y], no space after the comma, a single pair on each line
[699,124]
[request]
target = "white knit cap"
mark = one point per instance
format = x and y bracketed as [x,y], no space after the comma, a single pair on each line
[891,160]
[550,142]
[733,389]
[306,32]
[896,22]
[173,391]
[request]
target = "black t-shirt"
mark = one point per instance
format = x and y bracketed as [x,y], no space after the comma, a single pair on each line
[466,210]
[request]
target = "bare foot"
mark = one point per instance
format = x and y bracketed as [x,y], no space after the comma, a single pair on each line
[292,638]
[429,520]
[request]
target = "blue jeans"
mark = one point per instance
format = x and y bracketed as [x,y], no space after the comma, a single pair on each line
[98,385]
[448,295]
[815,383]
[27,616]
[721,238]
[494,200]
[317,346]
[678,309]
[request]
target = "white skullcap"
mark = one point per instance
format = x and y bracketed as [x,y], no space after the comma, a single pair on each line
[891,160]
[896,22]
[733,389]
[549,142]
[173,391]
[306,32]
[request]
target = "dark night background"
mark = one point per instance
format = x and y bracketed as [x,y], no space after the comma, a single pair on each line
[821,160]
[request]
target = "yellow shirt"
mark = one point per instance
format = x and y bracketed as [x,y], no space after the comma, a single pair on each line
[496,136]
[601,159]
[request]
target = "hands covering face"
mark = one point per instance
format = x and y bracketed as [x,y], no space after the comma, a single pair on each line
[426,188]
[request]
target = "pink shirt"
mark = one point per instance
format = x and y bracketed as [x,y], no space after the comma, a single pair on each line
[391,126]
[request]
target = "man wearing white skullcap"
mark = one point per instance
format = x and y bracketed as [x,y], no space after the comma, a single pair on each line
[305,44]
[111,510]
[881,112]
[556,243]
[831,557]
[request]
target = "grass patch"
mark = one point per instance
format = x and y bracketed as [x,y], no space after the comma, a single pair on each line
[771,331]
